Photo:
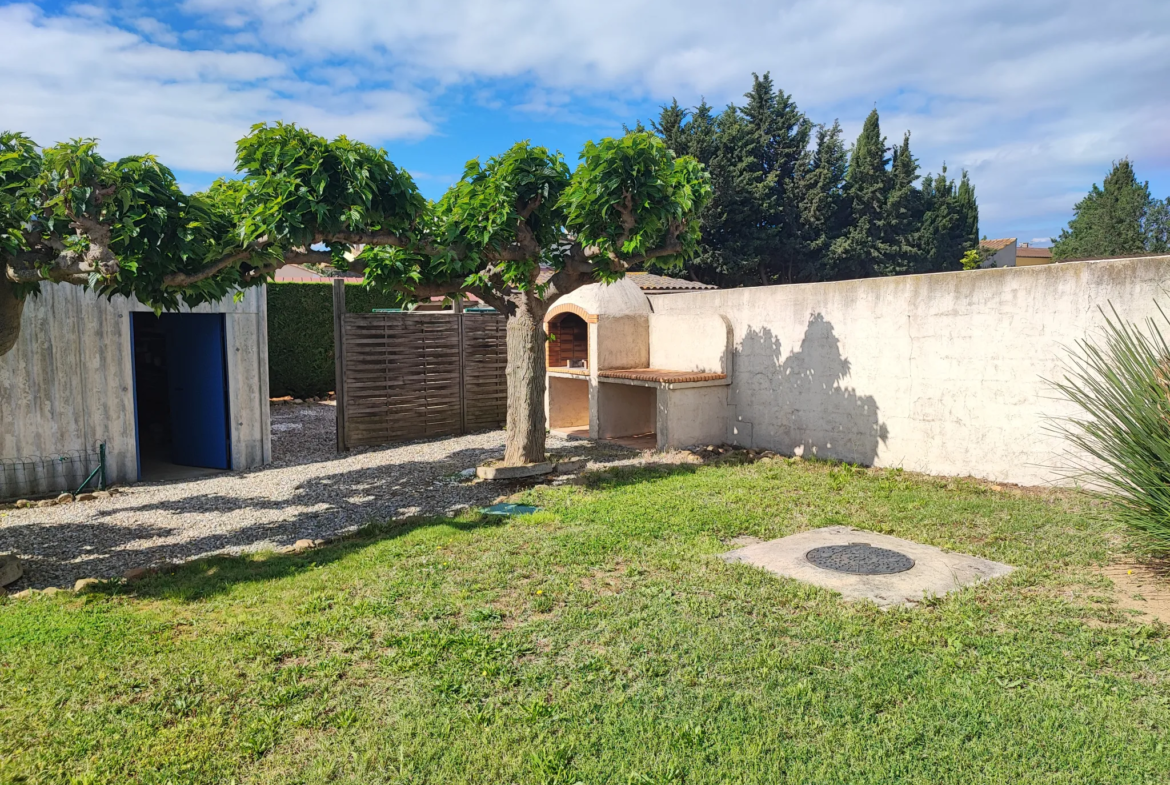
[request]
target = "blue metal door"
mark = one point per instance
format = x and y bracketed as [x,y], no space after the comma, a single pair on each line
[197,382]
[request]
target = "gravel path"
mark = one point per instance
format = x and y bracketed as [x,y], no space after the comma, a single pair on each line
[308,492]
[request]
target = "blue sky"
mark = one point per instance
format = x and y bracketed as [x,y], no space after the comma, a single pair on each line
[1034,98]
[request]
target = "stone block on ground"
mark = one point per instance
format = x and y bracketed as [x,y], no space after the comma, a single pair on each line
[571,465]
[81,584]
[85,497]
[514,472]
[10,569]
[65,498]
[302,545]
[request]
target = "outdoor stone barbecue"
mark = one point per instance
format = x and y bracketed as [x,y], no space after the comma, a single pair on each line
[616,369]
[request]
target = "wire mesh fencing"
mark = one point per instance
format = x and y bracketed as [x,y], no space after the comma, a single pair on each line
[42,474]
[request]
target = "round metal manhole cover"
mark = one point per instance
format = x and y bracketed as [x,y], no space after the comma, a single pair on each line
[859,558]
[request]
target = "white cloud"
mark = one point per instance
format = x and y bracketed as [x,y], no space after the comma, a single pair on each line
[155,30]
[68,77]
[1035,98]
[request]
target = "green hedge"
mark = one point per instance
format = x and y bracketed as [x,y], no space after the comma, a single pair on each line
[300,335]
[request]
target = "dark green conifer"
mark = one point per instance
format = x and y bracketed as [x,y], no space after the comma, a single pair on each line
[1110,220]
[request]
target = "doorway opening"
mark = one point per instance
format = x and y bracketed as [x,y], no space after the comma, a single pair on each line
[180,395]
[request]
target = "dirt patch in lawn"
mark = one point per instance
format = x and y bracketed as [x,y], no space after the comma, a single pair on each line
[1143,587]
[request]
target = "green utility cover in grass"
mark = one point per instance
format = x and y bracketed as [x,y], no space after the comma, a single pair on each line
[509,509]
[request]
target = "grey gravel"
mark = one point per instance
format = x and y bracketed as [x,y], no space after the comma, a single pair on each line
[308,492]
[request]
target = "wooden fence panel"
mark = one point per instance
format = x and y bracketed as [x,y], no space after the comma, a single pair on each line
[485,385]
[416,375]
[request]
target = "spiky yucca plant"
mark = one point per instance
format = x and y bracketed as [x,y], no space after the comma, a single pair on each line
[1121,384]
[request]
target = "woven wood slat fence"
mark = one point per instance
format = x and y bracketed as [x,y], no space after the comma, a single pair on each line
[408,376]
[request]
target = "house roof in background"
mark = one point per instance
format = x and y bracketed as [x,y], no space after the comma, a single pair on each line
[650,282]
[1035,253]
[997,245]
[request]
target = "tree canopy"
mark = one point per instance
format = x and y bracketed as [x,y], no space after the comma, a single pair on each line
[791,204]
[67,215]
[1116,218]
[125,227]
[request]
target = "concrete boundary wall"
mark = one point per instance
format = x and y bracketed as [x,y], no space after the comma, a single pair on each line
[939,373]
[68,384]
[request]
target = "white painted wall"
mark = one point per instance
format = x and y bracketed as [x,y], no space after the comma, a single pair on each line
[568,402]
[619,343]
[938,373]
[691,416]
[707,347]
[1004,257]
[68,385]
[625,410]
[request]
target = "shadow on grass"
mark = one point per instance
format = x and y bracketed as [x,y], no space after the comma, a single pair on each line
[209,576]
[621,476]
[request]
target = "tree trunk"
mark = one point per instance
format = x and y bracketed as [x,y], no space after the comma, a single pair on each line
[11,307]
[526,424]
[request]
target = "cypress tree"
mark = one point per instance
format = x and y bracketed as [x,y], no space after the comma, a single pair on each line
[950,224]
[820,195]
[1158,226]
[1110,220]
[786,212]
[904,214]
[751,153]
[777,136]
[862,251]
[671,126]
[968,208]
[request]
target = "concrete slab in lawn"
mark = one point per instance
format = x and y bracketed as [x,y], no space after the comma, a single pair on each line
[935,572]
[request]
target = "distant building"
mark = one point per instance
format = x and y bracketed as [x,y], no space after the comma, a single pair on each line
[1003,252]
[1028,256]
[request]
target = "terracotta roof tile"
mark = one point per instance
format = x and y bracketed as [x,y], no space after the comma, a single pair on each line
[1035,253]
[996,245]
[662,376]
[650,282]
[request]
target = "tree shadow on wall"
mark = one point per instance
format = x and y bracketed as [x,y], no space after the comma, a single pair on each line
[811,412]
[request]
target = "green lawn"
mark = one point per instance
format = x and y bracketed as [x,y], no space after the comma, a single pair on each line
[600,641]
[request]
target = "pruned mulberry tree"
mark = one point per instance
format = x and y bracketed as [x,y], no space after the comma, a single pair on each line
[124,227]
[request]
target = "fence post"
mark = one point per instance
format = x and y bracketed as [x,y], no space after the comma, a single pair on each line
[460,320]
[339,359]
